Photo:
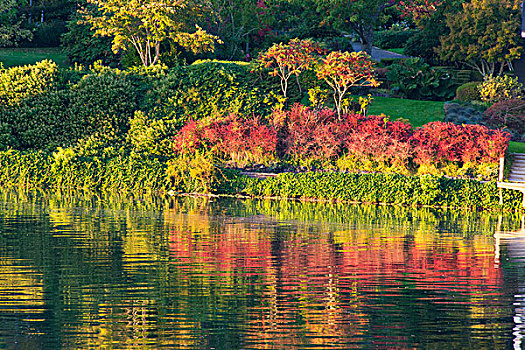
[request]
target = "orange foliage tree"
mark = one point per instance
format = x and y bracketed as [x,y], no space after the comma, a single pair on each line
[343,70]
[293,58]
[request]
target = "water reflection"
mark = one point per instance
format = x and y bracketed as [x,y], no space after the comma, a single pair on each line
[139,273]
[514,243]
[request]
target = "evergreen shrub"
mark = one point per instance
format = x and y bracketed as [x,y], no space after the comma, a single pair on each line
[468,92]
[393,39]
[209,89]
[18,83]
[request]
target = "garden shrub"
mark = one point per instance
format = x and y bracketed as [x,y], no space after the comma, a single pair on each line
[463,113]
[374,143]
[151,136]
[105,101]
[318,138]
[500,88]
[457,150]
[7,139]
[380,188]
[17,83]
[208,89]
[468,92]
[414,79]
[232,139]
[510,115]
[309,137]
[67,170]
[394,38]
[195,172]
[101,103]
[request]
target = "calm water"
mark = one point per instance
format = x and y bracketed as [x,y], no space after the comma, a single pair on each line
[86,272]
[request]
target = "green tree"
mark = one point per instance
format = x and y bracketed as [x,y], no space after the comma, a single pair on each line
[238,23]
[484,35]
[362,16]
[145,24]
[81,46]
[432,27]
[11,32]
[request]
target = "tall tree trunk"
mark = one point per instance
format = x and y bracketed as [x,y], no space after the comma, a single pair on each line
[367,39]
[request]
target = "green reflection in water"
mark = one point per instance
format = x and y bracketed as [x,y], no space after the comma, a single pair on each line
[109,271]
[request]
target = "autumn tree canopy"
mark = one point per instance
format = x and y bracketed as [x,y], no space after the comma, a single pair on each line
[343,70]
[484,35]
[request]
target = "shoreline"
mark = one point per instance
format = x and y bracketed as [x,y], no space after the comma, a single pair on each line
[143,174]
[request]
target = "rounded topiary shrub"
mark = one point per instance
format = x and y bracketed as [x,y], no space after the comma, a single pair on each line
[508,114]
[468,92]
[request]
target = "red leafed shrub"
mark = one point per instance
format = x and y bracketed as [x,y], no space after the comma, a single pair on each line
[241,140]
[371,143]
[189,138]
[321,135]
[440,142]
[508,114]
[313,134]
[379,139]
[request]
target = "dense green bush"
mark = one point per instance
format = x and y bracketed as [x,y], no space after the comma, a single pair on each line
[81,46]
[18,83]
[66,169]
[415,79]
[468,92]
[151,136]
[380,188]
[101,103]
[41,122]
[393,39]
[208,89]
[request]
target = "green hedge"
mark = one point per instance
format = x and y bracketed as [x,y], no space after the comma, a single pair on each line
[138,173]
[379,188]
[18,83]
[46,107]
[64,169]
[97,103]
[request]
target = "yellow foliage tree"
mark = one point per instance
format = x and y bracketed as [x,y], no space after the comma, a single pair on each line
[145,24]
[484,35]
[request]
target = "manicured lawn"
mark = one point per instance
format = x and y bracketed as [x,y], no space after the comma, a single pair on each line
[418,113]
[400,51]
[517,147]
[21,56]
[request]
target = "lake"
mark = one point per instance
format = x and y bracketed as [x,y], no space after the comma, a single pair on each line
[84,271]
